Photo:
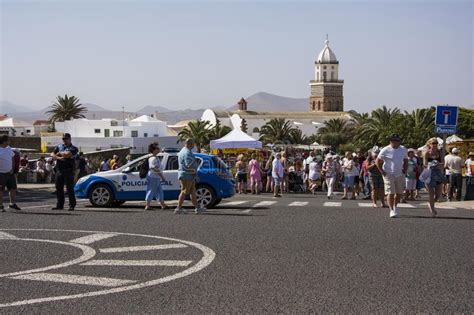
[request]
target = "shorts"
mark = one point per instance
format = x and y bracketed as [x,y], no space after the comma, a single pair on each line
[356,180]
[277,180]
[410,184]
[7,180]
[242,177]
[376,182]
[348,182]
[187,186]
[394,185]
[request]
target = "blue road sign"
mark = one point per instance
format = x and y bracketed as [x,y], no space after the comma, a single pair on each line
[448,130]
[446,116]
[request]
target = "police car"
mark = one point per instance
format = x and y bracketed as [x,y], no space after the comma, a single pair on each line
[113,188]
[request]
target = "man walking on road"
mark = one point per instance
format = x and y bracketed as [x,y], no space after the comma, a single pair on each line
[454,163]
[277,175]
[7,176]
[65,155]
[392,163]
[187,171]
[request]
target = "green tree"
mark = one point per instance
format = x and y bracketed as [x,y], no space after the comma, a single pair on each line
[243,125]
[382,123]
[297,137]
[66,108]
[199,131]
[466,123]
[276,130]
[218,131]
[419,126]
[335,132]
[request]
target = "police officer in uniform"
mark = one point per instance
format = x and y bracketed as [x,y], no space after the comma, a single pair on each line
[65,155]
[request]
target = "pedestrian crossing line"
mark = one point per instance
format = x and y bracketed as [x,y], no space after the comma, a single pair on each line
[332,204]
[405,205]
[166,263]
[75,279]
[89,239]
[235,203]
[246,211]
[264,203]
[140,248]
[298,204]
[442,206]
[364,204]
[5,235]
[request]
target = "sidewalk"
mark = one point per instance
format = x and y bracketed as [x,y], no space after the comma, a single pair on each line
[467,204]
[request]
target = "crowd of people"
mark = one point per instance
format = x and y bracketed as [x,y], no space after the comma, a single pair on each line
[386,176]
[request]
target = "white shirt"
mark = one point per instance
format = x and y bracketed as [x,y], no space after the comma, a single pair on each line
[393,160]
[6,163]
[314,171]
[153,163]
[277,169]
[469,167]
[352,171]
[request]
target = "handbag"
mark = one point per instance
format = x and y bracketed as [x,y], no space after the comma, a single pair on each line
[425,176]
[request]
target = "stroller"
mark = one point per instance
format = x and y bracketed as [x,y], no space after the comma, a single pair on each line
[296,182]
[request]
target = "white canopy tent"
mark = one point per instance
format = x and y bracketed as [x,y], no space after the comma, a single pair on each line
[236,139]
[453,139]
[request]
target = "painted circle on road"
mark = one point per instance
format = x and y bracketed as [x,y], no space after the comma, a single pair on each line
[207,255]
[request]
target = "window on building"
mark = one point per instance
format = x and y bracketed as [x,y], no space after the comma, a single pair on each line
[319,105]
[324,67]
[28,130]
[113,123]
[118,133]
[325,74]
[155,135]
[332,75]
[106,133]
[145,134]
[134,133]
[96,130]
[332,67]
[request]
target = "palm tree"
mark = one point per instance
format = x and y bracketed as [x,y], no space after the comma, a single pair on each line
[419,127]
[66,108]
[297,137]
[276,130]
[199,131]
[218,131]
[381,124]
[335,132]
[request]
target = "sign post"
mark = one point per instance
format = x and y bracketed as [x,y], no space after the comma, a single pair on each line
[446,119]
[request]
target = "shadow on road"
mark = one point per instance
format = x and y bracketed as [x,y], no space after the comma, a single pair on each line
[433,218]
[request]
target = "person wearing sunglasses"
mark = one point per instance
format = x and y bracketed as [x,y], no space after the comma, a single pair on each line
[65,155]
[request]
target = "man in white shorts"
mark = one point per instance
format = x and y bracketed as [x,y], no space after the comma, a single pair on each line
[392,162]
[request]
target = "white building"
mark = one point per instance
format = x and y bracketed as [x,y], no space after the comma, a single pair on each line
[92,135]
[14,127]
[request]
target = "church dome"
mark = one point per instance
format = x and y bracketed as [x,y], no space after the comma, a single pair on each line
[327,55]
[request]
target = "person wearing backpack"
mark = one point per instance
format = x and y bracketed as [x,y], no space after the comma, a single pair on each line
[154,177]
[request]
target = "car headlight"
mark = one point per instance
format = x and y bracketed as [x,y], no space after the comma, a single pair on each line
[82,179]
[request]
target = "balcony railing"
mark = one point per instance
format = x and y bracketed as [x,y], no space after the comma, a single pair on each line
[326,81]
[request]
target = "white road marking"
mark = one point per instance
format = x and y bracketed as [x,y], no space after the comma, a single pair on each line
[5,235]
[140,248]
[332,204]
[168,263]
[246,211]
[235,203]
[443,206]
[89,239]
[264,203]
[206,260]
[405,205]
[364,204]
[87,253]
[75,279]
[298,204]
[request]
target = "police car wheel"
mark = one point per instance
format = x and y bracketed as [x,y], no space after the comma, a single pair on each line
[205,196]
[101,196]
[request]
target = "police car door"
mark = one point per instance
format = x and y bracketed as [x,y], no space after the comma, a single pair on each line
[171,185]
[133,187]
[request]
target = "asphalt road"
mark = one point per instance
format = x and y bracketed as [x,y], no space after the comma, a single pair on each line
[254,254]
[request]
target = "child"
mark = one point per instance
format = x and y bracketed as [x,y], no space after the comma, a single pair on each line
[410,176]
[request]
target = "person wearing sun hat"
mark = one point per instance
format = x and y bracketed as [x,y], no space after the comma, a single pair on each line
[392,163]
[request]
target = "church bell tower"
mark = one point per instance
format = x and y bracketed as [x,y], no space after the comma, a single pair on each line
[326,88]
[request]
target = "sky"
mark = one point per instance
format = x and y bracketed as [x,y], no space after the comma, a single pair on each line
[190,54]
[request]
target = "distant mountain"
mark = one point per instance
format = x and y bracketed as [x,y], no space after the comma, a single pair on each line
[9,108]
[95,108]
[266,102]
[153,109]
